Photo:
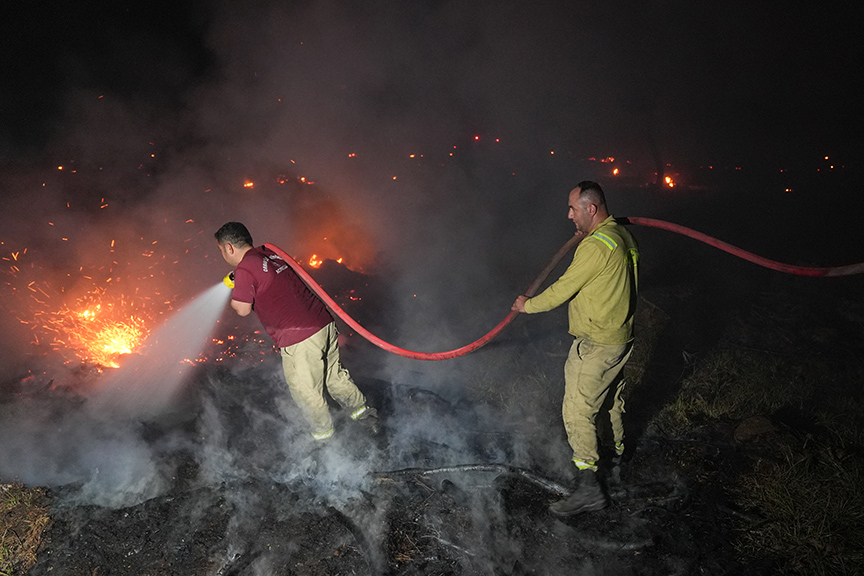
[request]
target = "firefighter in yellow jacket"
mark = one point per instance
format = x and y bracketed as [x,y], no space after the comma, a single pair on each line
[600,286]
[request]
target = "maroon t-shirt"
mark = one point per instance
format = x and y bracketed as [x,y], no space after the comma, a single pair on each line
[288,309]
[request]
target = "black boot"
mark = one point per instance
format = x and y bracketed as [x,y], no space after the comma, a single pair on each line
[615,489]
[369,421]
[615,472]
[588,496]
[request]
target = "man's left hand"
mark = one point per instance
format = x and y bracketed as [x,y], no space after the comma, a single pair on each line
[519,304]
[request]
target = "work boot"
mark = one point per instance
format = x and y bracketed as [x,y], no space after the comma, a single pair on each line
[311,462]
[614,487]
[369,421]
[587,497]
[615,472]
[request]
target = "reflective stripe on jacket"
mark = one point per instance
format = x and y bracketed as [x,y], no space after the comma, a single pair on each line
[601,285]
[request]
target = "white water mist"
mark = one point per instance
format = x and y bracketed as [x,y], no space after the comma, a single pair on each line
[147,383]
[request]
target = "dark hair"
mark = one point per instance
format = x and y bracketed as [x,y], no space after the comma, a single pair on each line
[234,233]
[592,192]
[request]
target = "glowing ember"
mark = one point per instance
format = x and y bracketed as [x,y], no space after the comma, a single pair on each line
[669,182]
[314,261]
[96,330]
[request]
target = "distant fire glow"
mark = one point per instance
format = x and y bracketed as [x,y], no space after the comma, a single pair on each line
[669,182]
[315,260]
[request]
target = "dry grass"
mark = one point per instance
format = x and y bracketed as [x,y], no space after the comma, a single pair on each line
[806,487]
[813,512]
[23,520]
[734,384]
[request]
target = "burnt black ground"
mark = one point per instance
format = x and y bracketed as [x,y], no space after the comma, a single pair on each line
[244,495]
[351,515]
[454,523]
[672,515]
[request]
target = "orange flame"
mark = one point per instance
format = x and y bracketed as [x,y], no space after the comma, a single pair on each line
[96,331]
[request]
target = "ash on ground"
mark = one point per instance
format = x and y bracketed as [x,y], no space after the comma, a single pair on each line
[458,482]
[230,482]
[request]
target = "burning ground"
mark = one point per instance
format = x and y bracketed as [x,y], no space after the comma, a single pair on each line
[738,461]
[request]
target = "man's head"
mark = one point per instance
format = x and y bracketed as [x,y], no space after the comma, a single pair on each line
[234,241]
[587,206]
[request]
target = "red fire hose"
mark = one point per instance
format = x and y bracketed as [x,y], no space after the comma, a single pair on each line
[772,264]
[649,222]
[331,304]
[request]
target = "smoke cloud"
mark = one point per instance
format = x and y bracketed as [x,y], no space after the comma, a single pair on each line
[430,146]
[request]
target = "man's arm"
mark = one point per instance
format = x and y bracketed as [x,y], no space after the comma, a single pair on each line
[242,308]
[587,263]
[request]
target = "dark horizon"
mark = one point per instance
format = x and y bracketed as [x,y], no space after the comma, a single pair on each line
[696,84]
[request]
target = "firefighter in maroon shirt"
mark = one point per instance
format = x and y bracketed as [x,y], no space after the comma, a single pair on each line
[300,325]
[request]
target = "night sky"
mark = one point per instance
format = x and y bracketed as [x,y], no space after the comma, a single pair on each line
[701,82]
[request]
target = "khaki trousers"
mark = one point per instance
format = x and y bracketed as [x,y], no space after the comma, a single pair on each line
[311,365]
[592,370]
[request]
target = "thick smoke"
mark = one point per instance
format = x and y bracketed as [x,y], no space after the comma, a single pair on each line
[56,442]
[129,189]
[431,146]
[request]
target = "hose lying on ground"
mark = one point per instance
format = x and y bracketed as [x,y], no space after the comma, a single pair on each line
[500,469]
[649,222]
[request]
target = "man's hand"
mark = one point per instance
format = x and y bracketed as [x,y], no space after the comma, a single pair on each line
[519,304]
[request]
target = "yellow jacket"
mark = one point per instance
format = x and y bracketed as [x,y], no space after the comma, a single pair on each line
[601,284]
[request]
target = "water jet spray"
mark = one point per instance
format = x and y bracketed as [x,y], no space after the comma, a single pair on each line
[147,383]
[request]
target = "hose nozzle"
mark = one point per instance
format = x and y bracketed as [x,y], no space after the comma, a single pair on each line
[229,280]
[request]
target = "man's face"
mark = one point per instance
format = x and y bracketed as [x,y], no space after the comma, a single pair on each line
[578,212]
